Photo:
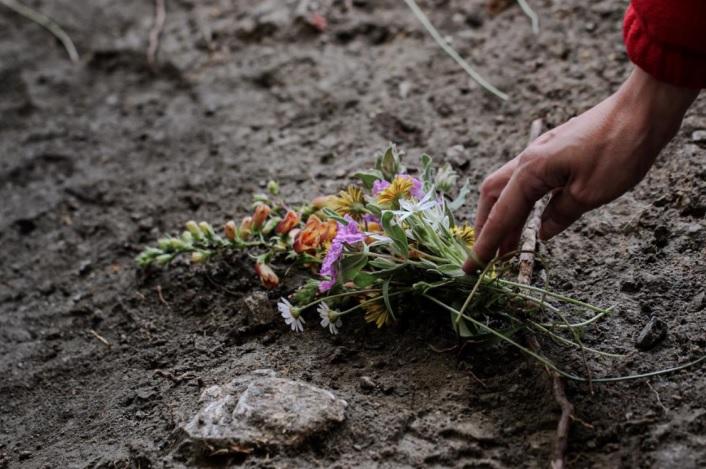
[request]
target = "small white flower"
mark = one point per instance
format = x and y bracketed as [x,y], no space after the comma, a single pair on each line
[437,217]
[329,318]
[410,207]
[291,314]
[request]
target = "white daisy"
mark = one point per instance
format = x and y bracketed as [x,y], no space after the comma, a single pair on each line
[291,314]
[329,318]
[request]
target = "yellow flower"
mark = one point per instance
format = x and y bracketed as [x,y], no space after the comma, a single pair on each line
[350,202]
[400,187]
[376,312]
[465,234]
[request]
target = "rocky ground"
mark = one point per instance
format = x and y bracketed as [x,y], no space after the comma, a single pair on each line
[100,158]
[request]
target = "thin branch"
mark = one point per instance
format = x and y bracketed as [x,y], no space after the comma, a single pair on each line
[45,22]
[100,338]
[451,52]
[160,15]
[524,277]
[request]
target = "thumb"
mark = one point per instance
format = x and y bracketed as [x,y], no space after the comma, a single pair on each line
[563,209]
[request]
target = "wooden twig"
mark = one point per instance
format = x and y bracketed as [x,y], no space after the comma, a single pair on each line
[161,296]
[100,338]
[529,235]
[529,244]
[160,15]
[45,22]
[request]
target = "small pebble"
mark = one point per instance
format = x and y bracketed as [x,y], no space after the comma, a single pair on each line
[367,383]
[653,333]
[698,136]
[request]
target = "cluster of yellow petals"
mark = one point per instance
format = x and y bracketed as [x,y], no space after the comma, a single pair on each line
[400,187]
[464,233]
[350,202]
[376,312]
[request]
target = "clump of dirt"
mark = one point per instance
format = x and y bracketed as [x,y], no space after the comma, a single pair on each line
[101,158]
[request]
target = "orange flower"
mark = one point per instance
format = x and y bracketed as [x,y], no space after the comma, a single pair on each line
[245,228]
[323,201]
[290,220]
[268,277]
[262,211]
[230,230]
[314,234]
[328,231]
[373,227]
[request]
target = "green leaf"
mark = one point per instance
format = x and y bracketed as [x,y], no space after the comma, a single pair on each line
[364,280]
[306,294]
[461,197]
[397,234]
[386,297]
[389,163]
[334,216]
[427,172]
[351,265]
[368,177]
[451,270]
[460,327]
[374,209]
[380,263]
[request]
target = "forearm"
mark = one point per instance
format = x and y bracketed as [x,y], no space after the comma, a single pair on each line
[654,105]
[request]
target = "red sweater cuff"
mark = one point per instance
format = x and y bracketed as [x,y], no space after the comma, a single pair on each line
[667,63]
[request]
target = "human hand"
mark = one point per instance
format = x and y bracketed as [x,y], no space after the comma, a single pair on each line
[589,161]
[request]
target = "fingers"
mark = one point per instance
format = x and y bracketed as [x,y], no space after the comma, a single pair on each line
[562,211]
[490,191]
[504,223]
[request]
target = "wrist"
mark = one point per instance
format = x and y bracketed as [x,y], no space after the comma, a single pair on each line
[656,107]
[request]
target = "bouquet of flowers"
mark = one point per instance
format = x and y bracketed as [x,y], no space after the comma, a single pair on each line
[389,240]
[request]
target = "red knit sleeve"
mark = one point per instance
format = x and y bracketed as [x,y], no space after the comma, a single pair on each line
[667,39]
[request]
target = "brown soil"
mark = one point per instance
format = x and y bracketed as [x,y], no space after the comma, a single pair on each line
[101,158]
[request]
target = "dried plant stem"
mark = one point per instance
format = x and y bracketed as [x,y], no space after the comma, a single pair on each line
[452,52]
[529,243]
[534,19]
[45,22]
[160,15]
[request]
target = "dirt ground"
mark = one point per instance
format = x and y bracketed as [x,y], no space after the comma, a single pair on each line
[98,159]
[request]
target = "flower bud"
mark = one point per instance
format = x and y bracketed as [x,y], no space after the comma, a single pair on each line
[176,244]
[187,237]
[163,259]
[230,230]
[270,225]
[290,220]
[273,187]
[164,244]
[199,257]
[193,228]
[268,277]
[262,211]
[323,201]
[245,228]
[207,230]
[389,163]
[293,235]
[445,179]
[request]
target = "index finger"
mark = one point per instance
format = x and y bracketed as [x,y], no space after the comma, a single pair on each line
[508,215]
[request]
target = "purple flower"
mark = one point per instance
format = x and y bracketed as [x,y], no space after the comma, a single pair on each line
[346,234]
[417,190]
[370,218]
[379,186]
